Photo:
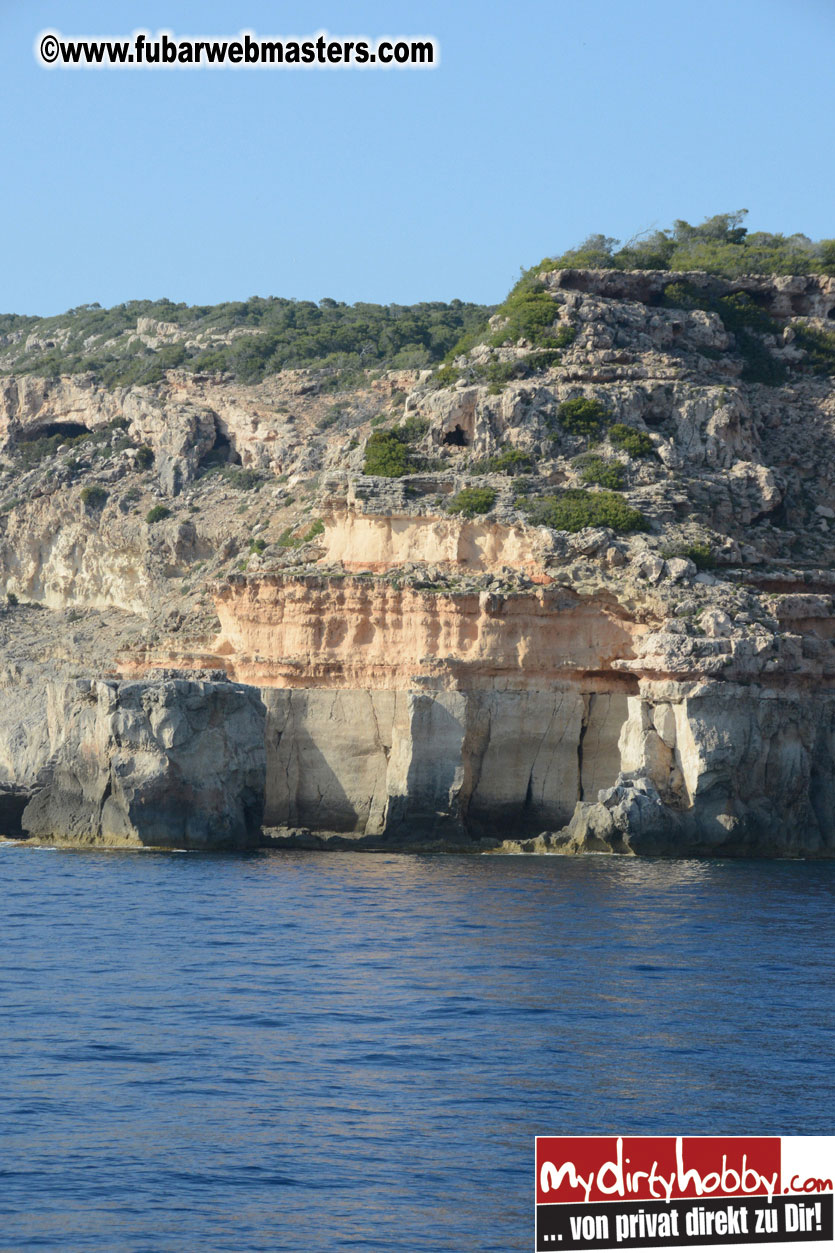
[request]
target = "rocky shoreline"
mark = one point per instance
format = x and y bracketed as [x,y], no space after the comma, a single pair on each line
[223,631]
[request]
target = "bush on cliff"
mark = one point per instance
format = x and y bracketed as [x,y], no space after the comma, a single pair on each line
[635,443]
[412,429]
[702,556]
[574,508]
[242,480]
[595,469]
[157,514]
[506,461]
[472,501]
[386,455]
[819,347]
[94,496]
[583,416]
[527,314]
[31,452]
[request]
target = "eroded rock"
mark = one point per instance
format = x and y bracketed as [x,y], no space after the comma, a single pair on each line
[171,764]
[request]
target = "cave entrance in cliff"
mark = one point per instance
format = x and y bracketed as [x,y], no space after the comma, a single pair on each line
[455,438]
[64,430]
[221,452]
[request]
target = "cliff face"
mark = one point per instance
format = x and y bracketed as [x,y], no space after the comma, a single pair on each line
[506,716]
[408,765]
[160,764]
[557,681]
[324,632]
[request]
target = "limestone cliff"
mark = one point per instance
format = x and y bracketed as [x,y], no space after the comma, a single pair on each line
[609,628]
[160,764]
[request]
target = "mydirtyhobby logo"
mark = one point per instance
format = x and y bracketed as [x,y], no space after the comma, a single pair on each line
[165,50]
[632,1192]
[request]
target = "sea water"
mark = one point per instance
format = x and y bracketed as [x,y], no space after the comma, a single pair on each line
[302,1051]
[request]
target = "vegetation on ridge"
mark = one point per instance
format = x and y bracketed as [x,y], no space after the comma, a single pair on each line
[573,508]
[472,501]
[249,339]
[720,245]
[253,339]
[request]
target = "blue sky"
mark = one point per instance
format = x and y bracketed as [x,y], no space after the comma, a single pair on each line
[546,120]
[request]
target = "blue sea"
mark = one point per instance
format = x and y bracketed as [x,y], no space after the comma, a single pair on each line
[302,1051]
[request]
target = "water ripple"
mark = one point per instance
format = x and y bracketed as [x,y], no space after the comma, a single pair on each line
[294,1051]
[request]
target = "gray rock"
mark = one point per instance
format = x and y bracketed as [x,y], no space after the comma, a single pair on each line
[627,818]
[175,764]
[715,623]
[679,568]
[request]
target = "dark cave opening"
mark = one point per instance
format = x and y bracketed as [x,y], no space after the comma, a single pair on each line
[221,452]
[65,430]
[455,438]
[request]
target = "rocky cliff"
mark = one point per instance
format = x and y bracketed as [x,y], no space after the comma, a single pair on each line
[168,764]
[587,606]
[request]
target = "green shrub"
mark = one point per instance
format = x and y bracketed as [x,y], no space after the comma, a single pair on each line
[583,416]
[595,469]
[144,457]
[32,452]
[523,485]
[636,443]
[543,359]
[94,496]
[157,514]
[11,599]
[507,461]
[565,335]
[759,366]
[529,314]
[316,530]
[819,347]
[386,455]
[242,480]
[257,545]
[499,373]
[701,555]
[681,295]
[739,312]
[471,501]
[572,509]
[446,375]
[412,429]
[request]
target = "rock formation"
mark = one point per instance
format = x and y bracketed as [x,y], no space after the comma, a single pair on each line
[653,674]
[166,764]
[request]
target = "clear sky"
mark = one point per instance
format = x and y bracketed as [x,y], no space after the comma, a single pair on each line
[546,120]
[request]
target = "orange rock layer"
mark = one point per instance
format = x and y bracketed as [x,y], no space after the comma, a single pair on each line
[352,632]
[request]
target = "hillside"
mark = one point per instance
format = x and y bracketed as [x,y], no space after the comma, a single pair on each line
[571,586]
[247,340]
